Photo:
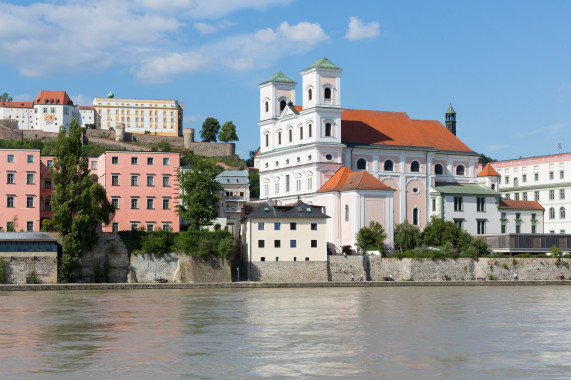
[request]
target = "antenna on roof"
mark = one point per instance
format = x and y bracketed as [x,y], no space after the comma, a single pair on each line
[559,148]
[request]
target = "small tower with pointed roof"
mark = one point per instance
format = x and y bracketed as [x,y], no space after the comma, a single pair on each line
[322,84]
[451,119]
[275,94]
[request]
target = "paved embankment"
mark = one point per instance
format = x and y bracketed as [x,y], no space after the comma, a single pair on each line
[259,285]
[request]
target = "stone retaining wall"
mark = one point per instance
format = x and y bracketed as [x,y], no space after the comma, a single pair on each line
[289,271]
[18,268]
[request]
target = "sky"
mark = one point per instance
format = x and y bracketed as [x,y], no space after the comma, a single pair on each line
[504,65]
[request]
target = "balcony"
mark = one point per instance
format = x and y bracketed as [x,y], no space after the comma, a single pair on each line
[231,209]
[233,198]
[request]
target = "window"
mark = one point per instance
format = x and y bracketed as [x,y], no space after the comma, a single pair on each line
[30,158]
[561,193]
[481,227]
[262,258]
[314,226]
[516,196]
[166,161]
[313,245]
[114,160]
[388,166]
[536,177]
[49,163]
[10,226]
[328,157]
[518,229]
[134,180]
[309,94]
[166,203]
[459,222]
[134,226]
[298,185]
[301,133]
[460,170]
[166,180]
[309,130]
[537,196]
[507,179]
[551,213]
[287,183]
[134,160]
[267,106]
[277,226]
[438,169]
[277,243]
[115,227]
[293,243]
[562,213]
[293,226]
[309,183]
[290,135]
[503,230]
[415,166]
[551,195]
[277,258]
[260,226]
[93,165]
[481,206]
[415,216]
[134,203]
[115,202]
[30,226]
[261,243]
[9,201]
[361,164]
[561,174]
[433,204]
[277,188]
[115,180]
[327,93]
[517,216]
[279,138]
[30,201]
[458,204]
[328,129]
[346,213]
[533,229]
[508,196]
[150,203]
[267,139]
[282,105]
[150,180]
[524,195]
[515,182]
[29,178]
[533,216]
[150,161]
[550,175]
[10,158]
[150,226]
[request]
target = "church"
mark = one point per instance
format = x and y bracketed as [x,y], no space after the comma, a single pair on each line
[364,165]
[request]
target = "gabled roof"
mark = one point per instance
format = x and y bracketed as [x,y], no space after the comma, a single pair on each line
[297,210]
[488,171]
[278,77]
[345,180]
[233,177]
[463,189]
[323,63]
[520,205]
[289,110]
[91,108]
[397,129]
[17,104]
[53,97]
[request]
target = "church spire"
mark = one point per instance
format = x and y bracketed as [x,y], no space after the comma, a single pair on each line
[450,116]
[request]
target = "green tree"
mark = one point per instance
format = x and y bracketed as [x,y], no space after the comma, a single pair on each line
[228,132]
[483,159]
[254,176]
[209,130]
[5,97]
[371,237]
[78,204]
[164,146]
[199,197]
[407,236]
[252,156]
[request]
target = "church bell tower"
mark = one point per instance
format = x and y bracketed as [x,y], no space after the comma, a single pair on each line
[450,116]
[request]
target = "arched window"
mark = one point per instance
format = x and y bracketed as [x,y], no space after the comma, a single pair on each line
[267,139]
[438,169]
[301,133]
[460,170]
[327,93]
[361,164]
[493,186]
[515,181]
[414,166]
[415,216]
[562,213]
[327,129]
[309,130]
[388,166]
[279,138]
[551,213]
[290,132]
[309,94]
[282,105]
[346,213]
[267,107]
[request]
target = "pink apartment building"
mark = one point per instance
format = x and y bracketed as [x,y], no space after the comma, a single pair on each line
[143,186]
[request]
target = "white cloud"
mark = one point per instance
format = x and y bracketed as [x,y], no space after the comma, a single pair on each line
[305,32]
[82,100]
[206,28]
[162,68]
[23,97]
[546,130]
[208,9]
[358,30]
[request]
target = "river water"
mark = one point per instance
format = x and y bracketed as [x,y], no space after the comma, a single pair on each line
[370,333]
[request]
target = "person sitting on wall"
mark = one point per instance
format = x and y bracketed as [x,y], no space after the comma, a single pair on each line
[390,277]
[561,276]
[516,277]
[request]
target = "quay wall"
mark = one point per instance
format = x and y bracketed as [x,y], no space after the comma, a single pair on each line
[289,271]
[18,267]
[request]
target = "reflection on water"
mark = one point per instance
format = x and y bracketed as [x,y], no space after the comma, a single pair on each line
[451,332]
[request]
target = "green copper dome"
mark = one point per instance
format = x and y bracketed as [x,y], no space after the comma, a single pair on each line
[278,77]
[110,95]
[323,63]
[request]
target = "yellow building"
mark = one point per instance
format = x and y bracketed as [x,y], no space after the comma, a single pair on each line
[151,116]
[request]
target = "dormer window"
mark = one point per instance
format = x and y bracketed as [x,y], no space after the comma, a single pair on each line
[309,94]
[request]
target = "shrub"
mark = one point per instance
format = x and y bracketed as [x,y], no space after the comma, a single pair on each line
[556,252]
[157,242]
[2,270]
[47,225]
[407,236]
[492,277]
[33,278]
[514,262]
[371,237]
[164,146]
[505,265]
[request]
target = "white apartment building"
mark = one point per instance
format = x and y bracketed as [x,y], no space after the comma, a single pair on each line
[545,179]
[87,115]
[157,117]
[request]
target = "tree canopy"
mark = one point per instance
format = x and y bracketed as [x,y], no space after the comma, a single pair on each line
[209,130]
[5,97]
[254,177]
[483,159]
[228,132]
[199,197]
[252,156]
[407,236]
[371,237]
[78,204]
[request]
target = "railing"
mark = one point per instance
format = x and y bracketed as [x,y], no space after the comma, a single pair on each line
[232,198]
[231,209]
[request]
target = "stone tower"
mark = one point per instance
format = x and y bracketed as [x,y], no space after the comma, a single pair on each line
[451,119]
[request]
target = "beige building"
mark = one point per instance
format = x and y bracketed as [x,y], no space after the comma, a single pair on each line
[234,192]
[294,232]
[157,117]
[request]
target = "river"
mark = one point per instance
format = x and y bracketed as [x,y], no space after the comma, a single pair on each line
[366,333]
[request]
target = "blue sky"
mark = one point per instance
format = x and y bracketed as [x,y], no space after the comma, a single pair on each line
[504,65]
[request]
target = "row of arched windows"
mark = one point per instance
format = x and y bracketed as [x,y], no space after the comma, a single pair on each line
[283,103]
[561,213]
[290,135]
[388,166]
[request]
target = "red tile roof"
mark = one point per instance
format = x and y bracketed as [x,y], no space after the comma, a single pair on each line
[520,205]
[345,179]
[87,108]
[53,97]
[488,171]
[16,104]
